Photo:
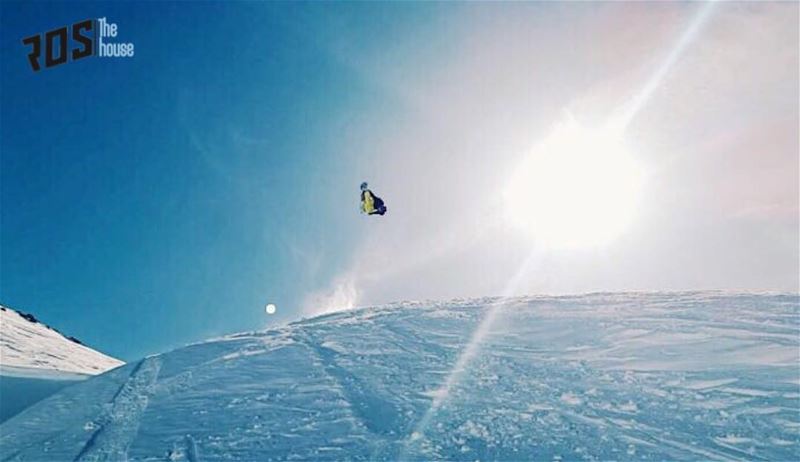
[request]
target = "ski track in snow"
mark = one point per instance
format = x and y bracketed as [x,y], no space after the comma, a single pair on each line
[700,375]
[117,428]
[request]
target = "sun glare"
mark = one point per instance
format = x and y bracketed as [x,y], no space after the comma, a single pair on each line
[578,188]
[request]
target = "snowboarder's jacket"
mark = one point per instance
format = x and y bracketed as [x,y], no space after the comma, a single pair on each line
[372,204]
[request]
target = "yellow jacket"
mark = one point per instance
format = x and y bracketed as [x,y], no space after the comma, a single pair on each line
[367,202]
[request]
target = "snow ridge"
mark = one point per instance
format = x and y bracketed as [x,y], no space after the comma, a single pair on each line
[662,376]
[29,348]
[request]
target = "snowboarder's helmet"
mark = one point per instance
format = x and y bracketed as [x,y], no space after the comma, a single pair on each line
[364,186]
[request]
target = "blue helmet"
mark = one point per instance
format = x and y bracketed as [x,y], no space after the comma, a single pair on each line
[364,186]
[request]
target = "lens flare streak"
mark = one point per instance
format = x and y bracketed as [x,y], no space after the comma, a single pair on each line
[472,348]
[641,98]
[470,351]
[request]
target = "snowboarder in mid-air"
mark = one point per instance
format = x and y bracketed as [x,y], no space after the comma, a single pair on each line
[370,203]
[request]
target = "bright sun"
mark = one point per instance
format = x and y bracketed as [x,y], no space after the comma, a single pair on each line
[577,188]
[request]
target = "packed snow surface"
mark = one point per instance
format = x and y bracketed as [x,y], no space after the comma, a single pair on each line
[29,348]
[667,376]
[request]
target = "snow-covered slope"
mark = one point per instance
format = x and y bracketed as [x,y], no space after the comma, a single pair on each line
[30,348]
[37,361]
[606,376]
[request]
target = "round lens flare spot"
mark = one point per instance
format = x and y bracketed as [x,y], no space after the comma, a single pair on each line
[271,308]
[578,188]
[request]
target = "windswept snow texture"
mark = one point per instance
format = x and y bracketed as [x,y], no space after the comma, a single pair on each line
[665,376]
[31,349]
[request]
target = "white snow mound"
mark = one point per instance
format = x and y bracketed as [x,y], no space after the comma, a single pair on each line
[665,376]
[29,348]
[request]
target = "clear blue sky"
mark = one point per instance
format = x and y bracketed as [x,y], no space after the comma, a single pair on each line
[164,199]
[153,201]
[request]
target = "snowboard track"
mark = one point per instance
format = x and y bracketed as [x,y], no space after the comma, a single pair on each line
[375,414]
[119,424]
